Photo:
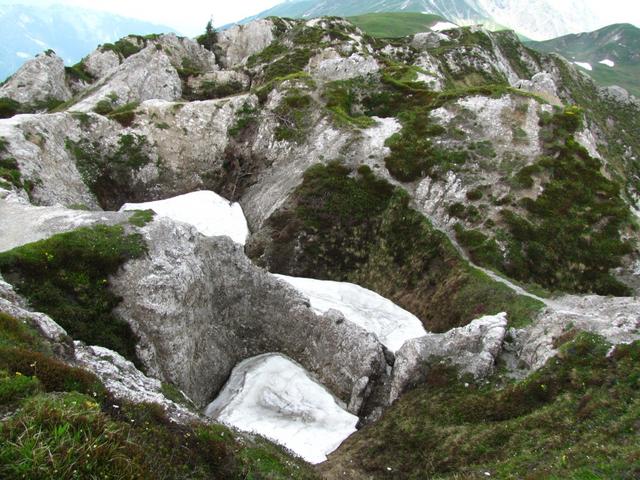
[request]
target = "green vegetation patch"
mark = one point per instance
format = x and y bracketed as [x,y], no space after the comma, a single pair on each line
[110,175]
[341,98]
[395,24]
[140,218]
[10,107]
[577,418]
[67,277]
[292,62]
[79,72]
[10,175]
[70,435]
[351,226]
[294,116]
[123,48]
[570,237]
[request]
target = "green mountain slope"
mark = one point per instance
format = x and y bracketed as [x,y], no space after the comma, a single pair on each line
[618,44]
[395,24]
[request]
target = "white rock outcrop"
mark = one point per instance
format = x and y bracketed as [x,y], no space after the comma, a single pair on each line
[146,75]
[472,349]
[238,43]
[200,307]
[39,79]
[329,65]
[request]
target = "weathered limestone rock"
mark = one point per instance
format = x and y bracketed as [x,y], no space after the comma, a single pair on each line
[38,80]
[124,381]
[37,142]
[24,223]
[473,349]
[542,84]
[146,75]
[240,42]
[100,62]
[200,307]
[617,319]
[329,65]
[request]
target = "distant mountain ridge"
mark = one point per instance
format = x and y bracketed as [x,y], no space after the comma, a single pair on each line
[535,19]
[611,55]
[71,32]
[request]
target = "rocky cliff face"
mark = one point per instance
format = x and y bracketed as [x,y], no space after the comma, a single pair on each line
[453,173]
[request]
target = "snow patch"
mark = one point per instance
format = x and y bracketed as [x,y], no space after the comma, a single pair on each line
[207,211]
[585,65]
[608,63]
[440,26]
[391,324]
[273,396]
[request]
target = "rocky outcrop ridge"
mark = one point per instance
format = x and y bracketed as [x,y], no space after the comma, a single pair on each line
[38,80]
[200,307]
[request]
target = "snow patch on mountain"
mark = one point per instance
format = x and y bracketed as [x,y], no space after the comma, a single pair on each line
[608,63]
[207,211]
[275,397]
[438,27]
[585,65]
[391,324]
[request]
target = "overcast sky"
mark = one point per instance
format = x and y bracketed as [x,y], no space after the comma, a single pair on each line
[190,16]
[187,16]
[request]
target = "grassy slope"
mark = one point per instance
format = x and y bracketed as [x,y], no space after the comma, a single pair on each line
[387,25]
[576,419]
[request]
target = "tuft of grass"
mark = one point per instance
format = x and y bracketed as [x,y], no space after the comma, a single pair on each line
[67,277]
[70,435]
[140,218]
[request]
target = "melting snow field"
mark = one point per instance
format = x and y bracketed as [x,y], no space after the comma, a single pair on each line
[275,397]
[391,324]
[586,66]
[207,211]
[608,63]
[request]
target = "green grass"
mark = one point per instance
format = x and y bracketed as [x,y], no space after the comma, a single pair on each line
[574,419]
[70,435]
[349,226]
[394,24]
[66,276]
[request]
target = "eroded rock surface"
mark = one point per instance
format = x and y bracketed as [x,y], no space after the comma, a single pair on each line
[38,80]
[200,307]
[472,349]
